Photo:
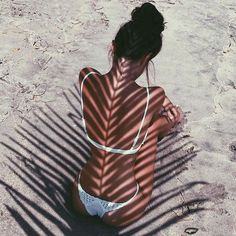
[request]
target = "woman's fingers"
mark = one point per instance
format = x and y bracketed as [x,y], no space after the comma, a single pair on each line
[170,115]
[181,114]
[174,112]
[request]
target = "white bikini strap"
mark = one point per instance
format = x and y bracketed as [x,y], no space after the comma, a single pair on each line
[144,115]
[109,149]
[82,105]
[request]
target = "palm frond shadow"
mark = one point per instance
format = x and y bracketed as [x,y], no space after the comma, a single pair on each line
[46,162]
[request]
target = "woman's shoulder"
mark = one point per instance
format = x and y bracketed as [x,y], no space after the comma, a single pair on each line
[157,93]
[155,90]
[86,70]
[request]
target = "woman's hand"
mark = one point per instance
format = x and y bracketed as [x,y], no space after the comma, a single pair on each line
[174,114]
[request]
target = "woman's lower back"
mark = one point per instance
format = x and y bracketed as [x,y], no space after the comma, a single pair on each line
[114,181]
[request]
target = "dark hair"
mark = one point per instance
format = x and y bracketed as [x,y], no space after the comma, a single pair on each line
[141,35]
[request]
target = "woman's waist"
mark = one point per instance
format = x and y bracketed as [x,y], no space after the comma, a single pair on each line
[116,186]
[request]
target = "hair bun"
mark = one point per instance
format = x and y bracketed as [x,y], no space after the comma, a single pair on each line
[147,16]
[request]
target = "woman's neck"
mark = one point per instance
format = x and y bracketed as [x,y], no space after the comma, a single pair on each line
[121,73]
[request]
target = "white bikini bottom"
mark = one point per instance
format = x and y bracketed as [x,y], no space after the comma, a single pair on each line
[97,206]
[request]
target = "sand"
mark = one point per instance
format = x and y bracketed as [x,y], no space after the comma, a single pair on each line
[44,44]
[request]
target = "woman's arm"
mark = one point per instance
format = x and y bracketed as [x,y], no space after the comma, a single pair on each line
[167,104]
[82,73]
[174,113]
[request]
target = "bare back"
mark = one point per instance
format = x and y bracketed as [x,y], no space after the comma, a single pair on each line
[113,117]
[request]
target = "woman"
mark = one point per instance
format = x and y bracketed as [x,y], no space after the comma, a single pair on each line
[123,123]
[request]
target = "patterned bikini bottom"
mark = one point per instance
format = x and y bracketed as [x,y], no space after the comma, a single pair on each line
[97,206]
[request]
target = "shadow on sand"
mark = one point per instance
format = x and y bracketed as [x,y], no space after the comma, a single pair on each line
[54,149]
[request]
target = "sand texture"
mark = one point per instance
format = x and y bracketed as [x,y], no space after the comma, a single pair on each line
[44,44]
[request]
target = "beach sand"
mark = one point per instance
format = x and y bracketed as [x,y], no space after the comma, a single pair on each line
[44,44]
